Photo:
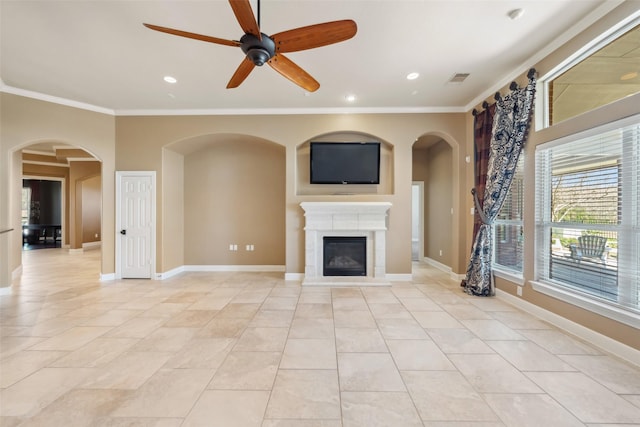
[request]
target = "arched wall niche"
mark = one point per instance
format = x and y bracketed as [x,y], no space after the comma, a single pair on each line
[224,198]
[303,160]
[192,144]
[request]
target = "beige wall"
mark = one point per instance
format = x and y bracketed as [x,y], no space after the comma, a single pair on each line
[439,194]
[171,241]
[25,121]
[234,193]
[140,141]
[78,173]
[91,209]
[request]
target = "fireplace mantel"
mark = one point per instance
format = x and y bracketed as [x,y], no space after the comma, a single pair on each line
[367,219]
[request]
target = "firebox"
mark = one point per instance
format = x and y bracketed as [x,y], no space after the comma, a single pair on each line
[345,256]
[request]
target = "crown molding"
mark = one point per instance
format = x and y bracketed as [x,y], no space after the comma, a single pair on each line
[54,99]
[229,111]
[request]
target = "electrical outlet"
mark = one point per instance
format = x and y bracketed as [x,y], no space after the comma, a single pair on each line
[519,291]
[440,252]
[233,247]
[96,235]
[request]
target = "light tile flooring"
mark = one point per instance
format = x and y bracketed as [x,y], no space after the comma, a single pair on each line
[249,349]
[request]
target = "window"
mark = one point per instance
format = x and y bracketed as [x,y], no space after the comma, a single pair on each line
[508,228]
[26,205]
[606,72]
[588,214]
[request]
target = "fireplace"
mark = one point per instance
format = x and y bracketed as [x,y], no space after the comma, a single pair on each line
[344,256]
[361,222]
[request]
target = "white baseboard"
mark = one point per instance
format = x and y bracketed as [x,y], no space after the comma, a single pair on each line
[440,266]
[107,277]
[76,251]
[399,277]
[16,273]
[242,268]
[171,273]
[389,277]
[605,343]
[92,245]
[458,277]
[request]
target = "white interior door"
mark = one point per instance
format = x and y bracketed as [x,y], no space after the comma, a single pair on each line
[135,224]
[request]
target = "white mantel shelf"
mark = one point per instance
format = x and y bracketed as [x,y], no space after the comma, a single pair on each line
[368,219]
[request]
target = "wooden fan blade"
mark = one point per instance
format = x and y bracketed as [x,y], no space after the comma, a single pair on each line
[314,35]
[193,35]
[246,18]
[246,66]
[293,72]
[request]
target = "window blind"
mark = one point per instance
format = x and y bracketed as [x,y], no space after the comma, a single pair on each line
[587,213]
[508,226]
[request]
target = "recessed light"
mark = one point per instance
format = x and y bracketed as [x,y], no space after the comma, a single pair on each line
[515,14]
[170,79]
[350,98]
[413,76]
[629,76]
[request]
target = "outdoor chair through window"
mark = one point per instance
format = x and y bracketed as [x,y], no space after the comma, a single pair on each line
[590,247]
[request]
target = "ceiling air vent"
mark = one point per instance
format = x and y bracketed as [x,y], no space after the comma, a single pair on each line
[458,78]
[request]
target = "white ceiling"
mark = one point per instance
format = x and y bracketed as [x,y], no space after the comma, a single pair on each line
[98,52]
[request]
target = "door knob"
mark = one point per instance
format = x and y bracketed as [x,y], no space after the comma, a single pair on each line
[123,232]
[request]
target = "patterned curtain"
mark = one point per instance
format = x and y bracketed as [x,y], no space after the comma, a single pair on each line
[482,130]
[483,126]
[509,132]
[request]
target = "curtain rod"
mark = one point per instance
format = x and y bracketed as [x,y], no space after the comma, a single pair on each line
[513,86]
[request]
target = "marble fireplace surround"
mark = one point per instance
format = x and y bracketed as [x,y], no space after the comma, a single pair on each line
[368,219]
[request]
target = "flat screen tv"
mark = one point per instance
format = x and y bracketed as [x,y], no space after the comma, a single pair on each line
[345,162]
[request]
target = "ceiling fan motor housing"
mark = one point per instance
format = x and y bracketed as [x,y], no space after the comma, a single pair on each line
[258,51]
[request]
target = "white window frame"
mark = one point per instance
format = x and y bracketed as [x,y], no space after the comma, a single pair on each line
[543,225]
[543,119]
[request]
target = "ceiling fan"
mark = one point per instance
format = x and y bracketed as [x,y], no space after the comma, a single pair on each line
[260,48]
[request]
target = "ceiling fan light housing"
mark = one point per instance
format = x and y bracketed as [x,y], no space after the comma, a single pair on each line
[258,50]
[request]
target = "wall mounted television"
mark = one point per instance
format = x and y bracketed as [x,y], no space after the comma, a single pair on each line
[345,163]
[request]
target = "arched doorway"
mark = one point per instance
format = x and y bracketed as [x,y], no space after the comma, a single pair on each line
[435,188]
[61,197]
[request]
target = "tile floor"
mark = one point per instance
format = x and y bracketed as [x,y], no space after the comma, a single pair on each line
[249,349]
